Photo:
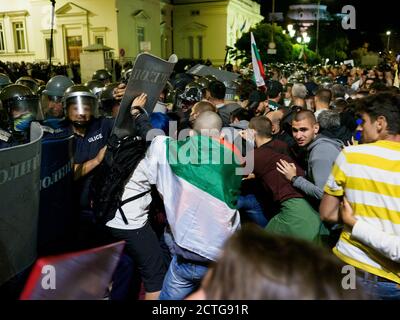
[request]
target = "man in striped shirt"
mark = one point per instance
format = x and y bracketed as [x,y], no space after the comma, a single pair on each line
[369,176]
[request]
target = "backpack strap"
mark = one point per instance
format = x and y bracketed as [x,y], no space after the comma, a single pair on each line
[130,200]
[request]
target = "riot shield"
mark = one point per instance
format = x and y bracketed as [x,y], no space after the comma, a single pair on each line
[221,75]
[19,205]
[79,275]
[149,75]
[56,220]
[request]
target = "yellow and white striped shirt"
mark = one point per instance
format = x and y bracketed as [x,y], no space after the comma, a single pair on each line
[369,176]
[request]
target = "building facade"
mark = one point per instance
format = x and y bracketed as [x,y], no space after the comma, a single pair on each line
[190,28]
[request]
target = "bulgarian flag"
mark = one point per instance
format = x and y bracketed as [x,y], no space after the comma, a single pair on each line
[199,184]
[258,68]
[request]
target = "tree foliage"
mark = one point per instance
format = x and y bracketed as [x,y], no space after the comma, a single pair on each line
[263,35]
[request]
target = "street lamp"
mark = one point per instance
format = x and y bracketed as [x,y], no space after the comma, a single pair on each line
[291,30]
[388,33]
[303,40]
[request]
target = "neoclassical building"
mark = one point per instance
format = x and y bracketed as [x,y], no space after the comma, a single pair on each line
[190,28]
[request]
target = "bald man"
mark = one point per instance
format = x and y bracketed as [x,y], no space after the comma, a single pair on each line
[199,189]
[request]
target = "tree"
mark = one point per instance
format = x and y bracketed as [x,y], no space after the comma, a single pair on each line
[333,42]
[263,36]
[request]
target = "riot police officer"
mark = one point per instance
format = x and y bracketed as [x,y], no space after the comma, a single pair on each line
[19,107]
[51,100]
[90,135]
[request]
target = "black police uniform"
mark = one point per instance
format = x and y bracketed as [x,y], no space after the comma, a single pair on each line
[86,148]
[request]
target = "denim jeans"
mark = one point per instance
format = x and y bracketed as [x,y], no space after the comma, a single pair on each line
[252,209]
[380,290]
[182,279]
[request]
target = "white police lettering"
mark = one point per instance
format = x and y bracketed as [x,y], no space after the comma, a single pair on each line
[56,175]
[20,169]
[96,137]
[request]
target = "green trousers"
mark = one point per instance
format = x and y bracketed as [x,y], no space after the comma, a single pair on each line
[297,219]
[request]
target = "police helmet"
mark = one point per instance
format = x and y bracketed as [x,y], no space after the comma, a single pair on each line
[80,105]
[192,93]
[51,99]
[29,82]
[57,85]
[21,106]
[4,80]
[95,86]
[126,74]
[102,75]
[108,106]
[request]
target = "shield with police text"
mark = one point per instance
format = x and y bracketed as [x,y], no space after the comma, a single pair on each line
[19,204]
[56,219]
[149,75]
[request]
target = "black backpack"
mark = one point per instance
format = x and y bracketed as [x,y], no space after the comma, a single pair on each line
[107,187]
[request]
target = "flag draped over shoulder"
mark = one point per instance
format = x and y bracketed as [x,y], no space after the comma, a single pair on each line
[199,185]
[258,68]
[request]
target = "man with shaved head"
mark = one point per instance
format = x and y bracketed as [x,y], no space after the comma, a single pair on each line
[208,123]
[321,153]
[199,187]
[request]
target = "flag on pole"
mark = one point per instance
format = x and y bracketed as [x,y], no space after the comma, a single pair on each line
[258,68]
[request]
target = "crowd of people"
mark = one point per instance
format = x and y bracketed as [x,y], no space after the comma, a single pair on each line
[312,182]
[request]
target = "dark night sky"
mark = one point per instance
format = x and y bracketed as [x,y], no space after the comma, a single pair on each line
[373,19]
[380,16]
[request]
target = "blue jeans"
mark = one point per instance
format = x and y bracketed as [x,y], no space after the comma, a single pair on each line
[380,290]
[182,279]
[252,209]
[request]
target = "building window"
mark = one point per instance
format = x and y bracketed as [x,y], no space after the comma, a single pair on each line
[200,44]
[48,48]
[140,35]
[19,36]
[99,40]
[191,47]
[2,39]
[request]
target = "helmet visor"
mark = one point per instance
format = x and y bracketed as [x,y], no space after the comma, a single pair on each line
[23,105]
[81,108]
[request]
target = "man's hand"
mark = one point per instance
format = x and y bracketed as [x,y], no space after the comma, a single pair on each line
[138,103]
[347,214]
[286,168]
[119,91]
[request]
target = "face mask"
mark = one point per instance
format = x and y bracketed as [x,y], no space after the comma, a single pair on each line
[23,122]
